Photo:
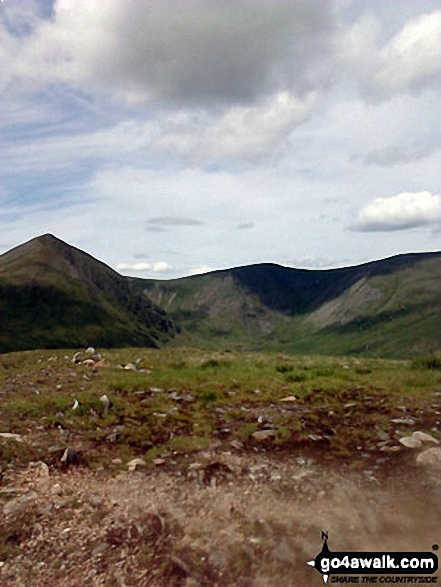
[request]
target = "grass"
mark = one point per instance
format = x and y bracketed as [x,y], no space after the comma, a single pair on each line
[186,399]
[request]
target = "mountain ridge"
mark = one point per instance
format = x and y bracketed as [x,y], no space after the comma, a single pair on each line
[386,307]
[52,294]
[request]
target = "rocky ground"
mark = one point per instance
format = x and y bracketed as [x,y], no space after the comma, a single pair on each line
[247,508]
[220,518]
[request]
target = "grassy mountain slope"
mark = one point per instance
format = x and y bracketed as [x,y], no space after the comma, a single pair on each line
[54,295]
[384,308]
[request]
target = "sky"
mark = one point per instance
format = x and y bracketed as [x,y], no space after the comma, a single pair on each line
[172,137]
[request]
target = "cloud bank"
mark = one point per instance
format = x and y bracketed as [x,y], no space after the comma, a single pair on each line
[401,212]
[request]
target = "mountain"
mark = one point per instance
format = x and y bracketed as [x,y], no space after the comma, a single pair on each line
[54,295]
[387,308]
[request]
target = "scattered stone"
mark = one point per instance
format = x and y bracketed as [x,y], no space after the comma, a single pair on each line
[106,402]
[430,458]
[116,461]
[289,398]
[136,463]
[315,437]
[76,404]
[156,389]
[88,362]
[112,437]
[15,506]
[40,468]
[76,358]
[404,421]
[9,435]
[174,396]
[158,462]
[180,565]
[61,428]
[410,442]
[264,422]
[10,490]
[236,444]
[54,449]
[387,448]
[130,367]
[70,457]
[423,437]
[417,439]
[99,549]
[264,435]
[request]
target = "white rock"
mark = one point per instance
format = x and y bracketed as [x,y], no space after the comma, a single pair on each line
[390,448]
[417,438]
[264,435]
[106,402]
[16,437]
[290,398]
[404,421]
[430,458]
[15,506]
[410,442]
[423,437]
[135,463]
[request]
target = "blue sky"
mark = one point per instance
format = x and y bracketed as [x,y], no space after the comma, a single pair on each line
[170,137]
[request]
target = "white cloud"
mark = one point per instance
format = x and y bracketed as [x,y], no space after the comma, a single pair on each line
[401,212]
[248,132]
[243,132]
[408,62]
[201,87]
[412,59]
[157,267]
[193,52]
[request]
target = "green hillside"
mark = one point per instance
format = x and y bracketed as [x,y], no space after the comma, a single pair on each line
[53,295]
[387,308]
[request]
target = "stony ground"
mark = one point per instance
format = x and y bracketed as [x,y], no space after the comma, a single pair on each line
[222,518]
[245,508]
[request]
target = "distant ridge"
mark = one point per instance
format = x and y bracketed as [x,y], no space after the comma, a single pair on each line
[385,308]
[55,295]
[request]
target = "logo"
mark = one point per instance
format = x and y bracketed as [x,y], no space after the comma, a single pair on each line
[375,563]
